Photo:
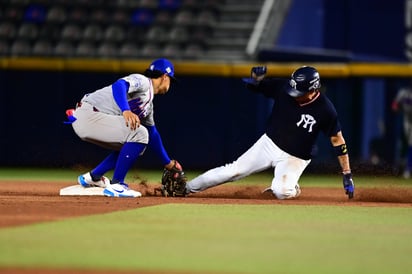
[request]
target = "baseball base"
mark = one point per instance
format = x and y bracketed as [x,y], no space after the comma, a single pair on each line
[78,190]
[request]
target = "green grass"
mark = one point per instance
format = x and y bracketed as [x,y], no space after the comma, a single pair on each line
[276,238]
[220,238]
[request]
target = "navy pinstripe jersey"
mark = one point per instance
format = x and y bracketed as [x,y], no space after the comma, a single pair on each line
[292,127]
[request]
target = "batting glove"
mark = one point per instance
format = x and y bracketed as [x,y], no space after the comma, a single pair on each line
[256,74]
[348,185]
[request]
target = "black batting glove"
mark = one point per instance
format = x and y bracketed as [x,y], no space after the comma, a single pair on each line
[256,74]
[348,185]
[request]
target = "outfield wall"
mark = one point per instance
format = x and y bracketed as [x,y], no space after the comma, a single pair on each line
[208,119]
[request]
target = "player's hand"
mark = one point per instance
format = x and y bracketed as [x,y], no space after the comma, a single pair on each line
[258,73]
[132,120]
[348,185]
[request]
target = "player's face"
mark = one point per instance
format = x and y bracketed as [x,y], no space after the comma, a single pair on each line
[164,84]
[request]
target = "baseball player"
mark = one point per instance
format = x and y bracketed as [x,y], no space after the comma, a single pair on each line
[403,102]
[119,117]
[300,112]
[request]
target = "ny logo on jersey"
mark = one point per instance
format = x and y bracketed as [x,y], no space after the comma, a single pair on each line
[306,120]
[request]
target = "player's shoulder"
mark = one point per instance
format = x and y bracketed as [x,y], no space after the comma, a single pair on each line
[134,76]
[326,102]
[137,80]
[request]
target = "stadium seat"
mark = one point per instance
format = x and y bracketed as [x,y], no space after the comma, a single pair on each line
[150,4]
[135,34]
[93,32]
[200,35]
[64,49]
[20,48]
[28,31]
[4,48]
[49,31]
[178,35]
[206,17]
[120,17]
[107,50]
[171,51]
[184,17]
[56,14]
[35,13]
[13,13]
[129,50]
[85,49]
[43,48]
[150,50]
[78,15]
[142,17]
[114,33]
[169,4]
[193,51]
[71,32]
[7,31]
[99,16]
[157,34]
[163,17]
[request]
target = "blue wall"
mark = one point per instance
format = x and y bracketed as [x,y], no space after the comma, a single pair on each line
[204,121]
[366,29]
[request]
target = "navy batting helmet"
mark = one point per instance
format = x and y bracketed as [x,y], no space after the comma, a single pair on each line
[303,80]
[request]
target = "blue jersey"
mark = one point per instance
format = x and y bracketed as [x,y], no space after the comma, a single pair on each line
[294,127]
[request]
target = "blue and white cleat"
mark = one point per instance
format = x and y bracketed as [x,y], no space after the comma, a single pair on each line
[85,180]
[121,190]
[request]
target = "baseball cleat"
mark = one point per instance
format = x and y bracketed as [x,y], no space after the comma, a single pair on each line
[121,190]
[85,180]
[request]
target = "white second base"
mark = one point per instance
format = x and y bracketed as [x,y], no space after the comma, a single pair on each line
[78,190]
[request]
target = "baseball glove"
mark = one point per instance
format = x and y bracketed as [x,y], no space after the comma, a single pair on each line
[174,181]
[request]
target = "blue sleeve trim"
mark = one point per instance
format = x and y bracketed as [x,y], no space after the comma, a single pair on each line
[119,90]
[155,143]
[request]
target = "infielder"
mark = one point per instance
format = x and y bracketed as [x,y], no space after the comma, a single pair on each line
[300,112]
[119,117]
[403,102]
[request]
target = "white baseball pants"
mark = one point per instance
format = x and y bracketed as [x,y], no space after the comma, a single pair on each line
[261,156]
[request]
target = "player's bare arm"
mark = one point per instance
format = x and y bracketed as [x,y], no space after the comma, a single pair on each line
[341,151]
[338,142]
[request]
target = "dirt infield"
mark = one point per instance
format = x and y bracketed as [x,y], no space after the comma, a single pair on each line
[24,203]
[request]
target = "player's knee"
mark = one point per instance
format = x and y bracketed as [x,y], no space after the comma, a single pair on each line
[141,135]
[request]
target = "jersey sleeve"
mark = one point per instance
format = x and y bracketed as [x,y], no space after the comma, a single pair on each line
[269,87]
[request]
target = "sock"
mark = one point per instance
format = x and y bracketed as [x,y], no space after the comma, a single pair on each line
[107,164]
[127,156]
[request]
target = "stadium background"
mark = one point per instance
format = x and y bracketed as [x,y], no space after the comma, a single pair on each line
[360,47]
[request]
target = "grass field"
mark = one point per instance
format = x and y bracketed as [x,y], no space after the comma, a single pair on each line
[211,238]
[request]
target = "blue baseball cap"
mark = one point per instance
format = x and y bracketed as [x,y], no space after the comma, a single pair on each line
[164,66]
